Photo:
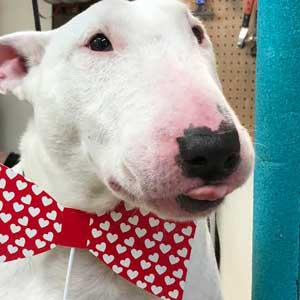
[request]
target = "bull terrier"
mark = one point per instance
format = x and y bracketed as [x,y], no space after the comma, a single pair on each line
[127,105]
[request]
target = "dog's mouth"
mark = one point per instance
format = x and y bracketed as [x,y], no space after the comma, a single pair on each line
[199,201]
[203,199]
[191,205]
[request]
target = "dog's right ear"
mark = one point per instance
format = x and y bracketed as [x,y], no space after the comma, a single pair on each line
[19,52]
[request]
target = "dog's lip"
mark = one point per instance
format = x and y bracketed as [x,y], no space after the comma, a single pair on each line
[191,205]
[203,199]
[209,192]
[204,193]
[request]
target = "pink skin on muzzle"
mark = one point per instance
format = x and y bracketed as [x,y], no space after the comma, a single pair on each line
[152,161]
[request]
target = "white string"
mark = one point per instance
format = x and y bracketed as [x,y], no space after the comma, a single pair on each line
[69,271]
[19,170]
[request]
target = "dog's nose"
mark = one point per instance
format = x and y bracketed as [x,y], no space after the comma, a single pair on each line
[209,155]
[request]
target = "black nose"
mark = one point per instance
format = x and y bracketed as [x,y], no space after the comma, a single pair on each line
[209,155]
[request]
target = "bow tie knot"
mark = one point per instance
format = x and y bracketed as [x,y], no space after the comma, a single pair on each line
[77,222]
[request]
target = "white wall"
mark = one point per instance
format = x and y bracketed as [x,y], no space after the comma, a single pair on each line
[17,15]
[235,224]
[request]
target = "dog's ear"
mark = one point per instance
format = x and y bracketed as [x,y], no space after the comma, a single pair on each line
[19,52]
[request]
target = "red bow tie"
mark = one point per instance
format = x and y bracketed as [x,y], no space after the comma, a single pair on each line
[150,252]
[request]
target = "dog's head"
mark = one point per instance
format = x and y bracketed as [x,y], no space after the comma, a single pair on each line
[128,93]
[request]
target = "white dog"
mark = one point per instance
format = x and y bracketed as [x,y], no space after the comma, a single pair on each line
[127,105]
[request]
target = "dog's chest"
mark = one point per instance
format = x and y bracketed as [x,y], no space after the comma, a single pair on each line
[43,277]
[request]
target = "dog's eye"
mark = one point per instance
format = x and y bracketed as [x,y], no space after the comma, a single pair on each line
[100,43]
[199,34]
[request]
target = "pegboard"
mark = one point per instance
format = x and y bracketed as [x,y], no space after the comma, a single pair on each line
[236,67]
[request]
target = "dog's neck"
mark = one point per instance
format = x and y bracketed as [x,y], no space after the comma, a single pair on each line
[75,187]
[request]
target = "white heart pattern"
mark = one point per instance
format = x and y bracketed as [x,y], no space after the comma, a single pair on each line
[153,222]
[108,258]
[52,215]
[117,269]
[96,233]
[26,199]
[23,221]
[105,226]
[124,227]
[36,190]
[164,248]
[139,283]
[12,249]
[115,216]
[3,238]
[21,185]
[156,289]
[57,227]
[28,253]
[34,211]
[169,226]
[40,244]
[148,251]
[5,218]
[132,274]
[173,259]
[154,257]
[26,215]
[2,183]
[133,220]
[136,253]
[158,236]
[48,237]
[30,232]
[150,278]
[11,174]
[187,230]
[145,264]
[47,201]
[8,196]
[140,232]
[18,207]
[121,249]
[20,242]
[43,222]
[112,237]
[129,242]
[169,280]
[149,244]
[126,262]
[15,228]
[101,247]
[178,238]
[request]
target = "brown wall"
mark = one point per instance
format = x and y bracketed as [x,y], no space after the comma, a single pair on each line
[236,66]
